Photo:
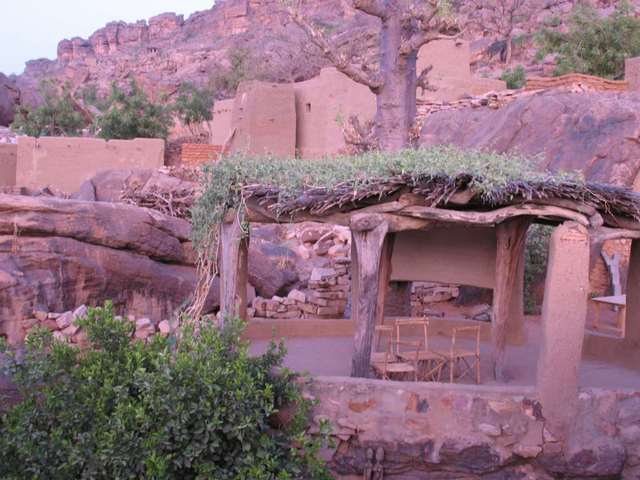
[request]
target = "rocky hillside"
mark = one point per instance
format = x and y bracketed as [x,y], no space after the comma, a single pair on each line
[168,49]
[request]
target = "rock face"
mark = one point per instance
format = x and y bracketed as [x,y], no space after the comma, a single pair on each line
[57,254]
[167,49]
[9,98]
[595,133]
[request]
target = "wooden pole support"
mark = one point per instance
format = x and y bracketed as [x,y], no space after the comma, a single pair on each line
[511,237]
[368,244]
[233,270]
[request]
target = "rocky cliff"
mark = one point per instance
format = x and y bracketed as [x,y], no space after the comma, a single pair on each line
[168,49]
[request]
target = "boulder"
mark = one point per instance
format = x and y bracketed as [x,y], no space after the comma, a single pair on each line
[271,268]
[596,133]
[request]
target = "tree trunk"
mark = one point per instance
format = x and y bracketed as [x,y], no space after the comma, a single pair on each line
[396,100]
[508,51]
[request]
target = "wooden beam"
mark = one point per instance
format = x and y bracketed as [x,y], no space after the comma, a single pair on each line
[368,247]
[233,270]
[495,216]
[511,237]
[385,277]
[603,234]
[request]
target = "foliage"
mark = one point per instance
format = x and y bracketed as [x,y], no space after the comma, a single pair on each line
[594,45]
[515,78]
[194,105]
[90,96]
[55,117]
[224,180]
[197,408]
[225,80]
[132,115]
[536,254]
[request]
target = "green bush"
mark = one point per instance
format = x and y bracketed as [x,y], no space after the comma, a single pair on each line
[200,407]
[131,115]
[515,78]
[194,105]
[536,255]
[55,117]
[594,45]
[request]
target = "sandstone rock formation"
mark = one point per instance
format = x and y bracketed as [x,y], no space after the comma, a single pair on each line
[597,134]
[56,254]
[9,98]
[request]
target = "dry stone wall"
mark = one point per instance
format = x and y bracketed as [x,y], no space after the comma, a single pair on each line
[441,431]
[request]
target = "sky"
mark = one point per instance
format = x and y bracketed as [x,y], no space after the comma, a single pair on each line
[31,29]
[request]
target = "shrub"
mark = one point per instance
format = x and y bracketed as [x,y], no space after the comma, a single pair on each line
[226,78]
[196,408]
[55,117]
[594,45]
[515,78]
[536,256]
[131,115]
[194,105]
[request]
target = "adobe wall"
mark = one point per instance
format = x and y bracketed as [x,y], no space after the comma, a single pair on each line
[459,255]
[451,73]
[64,163]
[323,104]
[632,73]
[8,157]
[473,432]
[221,122]
[264,119]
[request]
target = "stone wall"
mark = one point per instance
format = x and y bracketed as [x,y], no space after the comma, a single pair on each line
[8,157]
[64,163]
[430,430]
[577,80]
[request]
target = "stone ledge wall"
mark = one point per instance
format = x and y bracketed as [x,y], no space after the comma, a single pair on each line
[571,80]
[430,430]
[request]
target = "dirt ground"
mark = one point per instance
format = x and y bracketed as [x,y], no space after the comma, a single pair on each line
[332,356]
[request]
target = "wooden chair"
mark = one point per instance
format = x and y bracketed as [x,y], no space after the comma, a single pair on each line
[393,367]
[431,362]
[465,360]
[377,356]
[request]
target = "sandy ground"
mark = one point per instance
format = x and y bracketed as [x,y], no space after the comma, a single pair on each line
[332,356]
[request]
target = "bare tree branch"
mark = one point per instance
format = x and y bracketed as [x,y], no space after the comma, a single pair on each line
[337,58]
[422,38]
[423,80]
[376,8]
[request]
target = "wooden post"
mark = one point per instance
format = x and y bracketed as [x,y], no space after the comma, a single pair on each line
[632,309]
[233,270]
[368,234]
[564,312]
[511,236]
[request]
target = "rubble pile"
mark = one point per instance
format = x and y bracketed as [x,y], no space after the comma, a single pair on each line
[64,326]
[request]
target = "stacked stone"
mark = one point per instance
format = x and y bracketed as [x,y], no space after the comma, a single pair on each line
[65,328]
[425,294]
[326,296]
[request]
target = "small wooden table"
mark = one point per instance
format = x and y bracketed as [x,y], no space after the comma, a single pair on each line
[619,301]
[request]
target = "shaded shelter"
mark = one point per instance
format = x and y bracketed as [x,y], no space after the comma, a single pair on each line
[399,220]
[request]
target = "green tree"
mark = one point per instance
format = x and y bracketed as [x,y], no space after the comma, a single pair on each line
[194,105]
[57,116]
[130,114]
[515,78]
[121,409]
[594,45]
[226,78]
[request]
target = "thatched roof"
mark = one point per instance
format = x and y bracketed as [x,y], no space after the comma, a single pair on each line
[446,193]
